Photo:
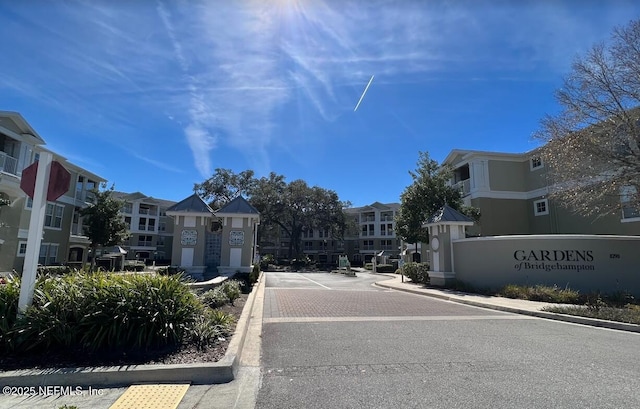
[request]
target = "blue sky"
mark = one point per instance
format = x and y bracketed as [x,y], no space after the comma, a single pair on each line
[154,95]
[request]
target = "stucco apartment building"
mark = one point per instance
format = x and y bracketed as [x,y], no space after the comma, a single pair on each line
[63,240]
[511,190]
[151,230]
[375,233]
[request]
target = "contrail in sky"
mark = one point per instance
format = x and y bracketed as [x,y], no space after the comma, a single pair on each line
[362,96]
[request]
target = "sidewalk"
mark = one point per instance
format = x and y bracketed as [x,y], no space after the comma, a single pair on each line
[533,308]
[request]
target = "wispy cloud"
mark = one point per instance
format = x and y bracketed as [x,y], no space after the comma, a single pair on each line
[227,71]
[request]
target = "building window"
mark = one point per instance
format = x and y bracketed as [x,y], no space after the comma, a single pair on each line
[152,225]
[22,248]
[28,203]
[160,241]
[127,208]
[541,207]
[386,244]
[127,221]
[162,226]
[48,254]
[53,216]
[308,245]
[536,163]
[145,241]
[629,203]
[368,245]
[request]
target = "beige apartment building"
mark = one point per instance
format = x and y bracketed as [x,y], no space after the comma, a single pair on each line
[511,190]
[63,240]
[375,234]
[150,229]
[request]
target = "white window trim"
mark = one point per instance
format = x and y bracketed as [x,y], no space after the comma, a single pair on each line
[18,254]
[532,168]
[546,206]
[53,216]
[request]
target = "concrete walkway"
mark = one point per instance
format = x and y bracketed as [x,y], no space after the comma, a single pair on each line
[533,308]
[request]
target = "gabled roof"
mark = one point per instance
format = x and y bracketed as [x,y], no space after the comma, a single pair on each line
[19,124]
[448,214]
[192,204]
[374,206]
[238,205]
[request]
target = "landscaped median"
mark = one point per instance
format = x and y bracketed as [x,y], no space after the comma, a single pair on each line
[536,301]
[165,290]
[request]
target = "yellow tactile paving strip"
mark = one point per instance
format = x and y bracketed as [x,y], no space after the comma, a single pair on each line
[151,397]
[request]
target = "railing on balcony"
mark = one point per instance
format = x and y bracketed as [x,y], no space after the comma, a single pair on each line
[76,229]
[85,196]
[368,219]
[8,164]
[464,186]
[148,211]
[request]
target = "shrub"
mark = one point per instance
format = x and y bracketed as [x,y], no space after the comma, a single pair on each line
[171,270]
[266,260]
[255,273]
[9,294]
[416,272]
[231,289]
[215,298]
[385,268]
[543,293]
[205,330]
[107,311]
[222,319]
[52,271]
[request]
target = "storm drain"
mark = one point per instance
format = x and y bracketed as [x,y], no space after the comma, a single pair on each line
[151,397]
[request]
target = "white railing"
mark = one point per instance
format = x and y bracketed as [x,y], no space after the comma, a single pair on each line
[464,186]
[8,164]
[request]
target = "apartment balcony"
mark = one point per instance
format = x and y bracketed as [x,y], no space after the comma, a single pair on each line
[464,186]
[84,196]
[148,211]
[386,219]
[8,164]
[367,219]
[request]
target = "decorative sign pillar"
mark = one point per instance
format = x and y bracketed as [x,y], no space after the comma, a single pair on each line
[445,226]
[240,222]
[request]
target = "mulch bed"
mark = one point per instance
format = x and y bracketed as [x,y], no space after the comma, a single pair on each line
[186,354]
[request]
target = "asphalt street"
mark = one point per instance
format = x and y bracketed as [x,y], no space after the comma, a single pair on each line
[331,341]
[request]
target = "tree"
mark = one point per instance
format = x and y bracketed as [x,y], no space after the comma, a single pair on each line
[429,191]
[293,207]
[102,221]
[224,186]
[592,145]
[296,206]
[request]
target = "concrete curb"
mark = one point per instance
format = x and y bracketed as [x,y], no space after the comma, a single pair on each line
[222,371]
[541,314]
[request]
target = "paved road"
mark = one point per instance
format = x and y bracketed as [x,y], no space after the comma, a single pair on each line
[337,342]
